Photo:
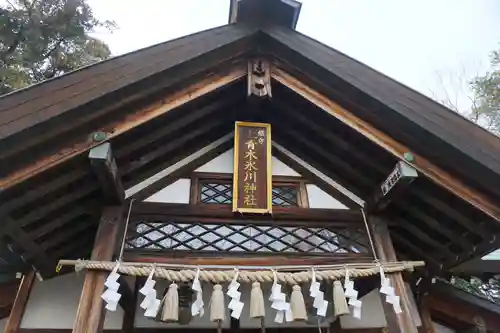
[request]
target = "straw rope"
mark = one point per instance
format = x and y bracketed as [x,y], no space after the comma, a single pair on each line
[221,276]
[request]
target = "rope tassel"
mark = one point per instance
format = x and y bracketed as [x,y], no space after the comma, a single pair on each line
[171,305]
[339,300]
[217,312]
[298,305]
[257,306]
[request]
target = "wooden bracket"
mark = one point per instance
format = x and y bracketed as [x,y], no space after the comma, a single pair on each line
[259,78]
[104,166]
[400,177]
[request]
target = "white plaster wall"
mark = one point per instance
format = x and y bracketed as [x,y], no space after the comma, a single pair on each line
[320,199]
[224,164]
[372,313]
[442,329]
[53,304]
[177,192]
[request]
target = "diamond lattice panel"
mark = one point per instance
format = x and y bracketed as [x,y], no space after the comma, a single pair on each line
[244,238]
[222,193]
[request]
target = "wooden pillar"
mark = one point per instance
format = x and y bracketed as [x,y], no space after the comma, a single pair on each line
[425,316]
[90,313]
[130,307]
[396,323]
[17,310]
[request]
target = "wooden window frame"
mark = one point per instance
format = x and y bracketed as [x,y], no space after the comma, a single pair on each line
[198,178]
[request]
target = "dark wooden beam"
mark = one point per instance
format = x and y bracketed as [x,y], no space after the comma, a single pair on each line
[173,101]
[32,249]
[424,237]
[287,215]
[193,114]
[314,163]
[433,223]
[418,251]
[350,171]
[90,314]
[40,191]
[397,323]
[304,153]
[301,117]
[398,180]
[86,190]
[452,211]
[16,313]
[174,144]
[421,164]
[104,167]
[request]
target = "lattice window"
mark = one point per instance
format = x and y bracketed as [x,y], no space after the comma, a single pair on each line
[213,193]
[285,196]
[219,190]
[244,238]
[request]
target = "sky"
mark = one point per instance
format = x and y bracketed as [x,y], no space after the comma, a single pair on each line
[433,46]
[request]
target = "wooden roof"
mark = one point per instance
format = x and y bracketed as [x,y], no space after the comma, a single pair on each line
[160,104]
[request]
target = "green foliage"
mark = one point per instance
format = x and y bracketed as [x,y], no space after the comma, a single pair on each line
[41,39]
[487,289]
[486,89]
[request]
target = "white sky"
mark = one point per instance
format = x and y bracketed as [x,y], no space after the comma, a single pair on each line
[411,41]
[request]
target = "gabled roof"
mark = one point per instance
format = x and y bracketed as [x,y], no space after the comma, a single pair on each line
[162,103]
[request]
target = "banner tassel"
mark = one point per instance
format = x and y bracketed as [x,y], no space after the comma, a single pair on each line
[339,300]
[217,311]
[257,306]
[297,304]
[171,305]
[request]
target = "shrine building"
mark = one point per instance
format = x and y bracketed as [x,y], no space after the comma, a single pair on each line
[246,178]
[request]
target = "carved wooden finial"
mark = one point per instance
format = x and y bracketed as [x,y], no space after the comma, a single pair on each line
[259,79]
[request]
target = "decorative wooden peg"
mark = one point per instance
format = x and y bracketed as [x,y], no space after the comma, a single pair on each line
[259,79]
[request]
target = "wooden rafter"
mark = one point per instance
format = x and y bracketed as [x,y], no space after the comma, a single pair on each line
[177,170]
[423,165]
[349,172]
[16,314]
[315,176]
[170,102]
[327,176]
